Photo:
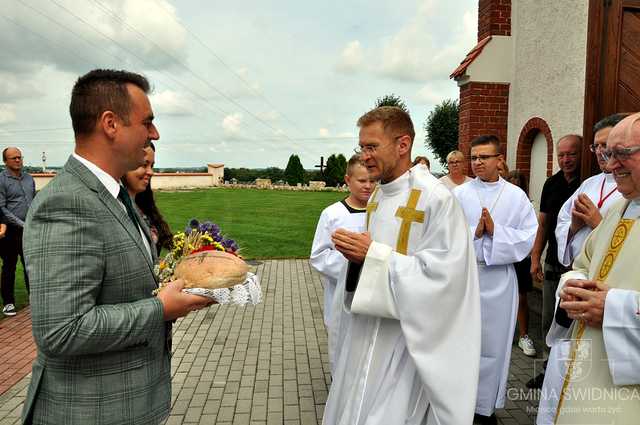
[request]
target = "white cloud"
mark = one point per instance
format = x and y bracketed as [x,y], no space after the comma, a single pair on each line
[427,46]
[435,93]
[40,34]
[7,113]
[270,116]
[13,87]
[324,132]
[169,102]
[232,126]
[351,58]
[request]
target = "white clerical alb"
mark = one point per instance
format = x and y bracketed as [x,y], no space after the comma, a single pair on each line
[412,347]
[332,265]
[515,227]
[602,191]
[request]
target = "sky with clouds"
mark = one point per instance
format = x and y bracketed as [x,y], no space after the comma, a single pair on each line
[245,83]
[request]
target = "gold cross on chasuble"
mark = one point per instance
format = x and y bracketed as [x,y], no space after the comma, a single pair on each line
[408,214]
[371,206]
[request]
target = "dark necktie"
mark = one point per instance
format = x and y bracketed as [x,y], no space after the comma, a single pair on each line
[123,195]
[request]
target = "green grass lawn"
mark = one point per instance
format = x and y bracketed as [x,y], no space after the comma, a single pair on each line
[265,223]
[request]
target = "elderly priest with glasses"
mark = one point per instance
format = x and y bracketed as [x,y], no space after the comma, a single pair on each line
[412,350]
[602,295]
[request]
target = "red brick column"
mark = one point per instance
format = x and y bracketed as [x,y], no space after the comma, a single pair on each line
[494,18]
[484,109]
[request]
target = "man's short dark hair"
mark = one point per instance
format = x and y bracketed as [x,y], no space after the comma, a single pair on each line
[394,120]
[609,121]
[487,139]
[102,90]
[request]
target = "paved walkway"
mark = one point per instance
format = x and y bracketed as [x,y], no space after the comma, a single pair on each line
[262,365]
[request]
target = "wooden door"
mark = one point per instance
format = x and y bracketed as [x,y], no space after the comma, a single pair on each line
[613,66]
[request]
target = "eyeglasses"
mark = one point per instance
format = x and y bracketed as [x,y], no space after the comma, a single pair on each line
[370,149]
[12,158]
[483,158]
[621,154]
[366,149]
[594,147]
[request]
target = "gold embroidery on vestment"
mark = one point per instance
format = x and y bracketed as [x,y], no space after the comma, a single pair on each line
[371,206]
[408,214]
[617,240]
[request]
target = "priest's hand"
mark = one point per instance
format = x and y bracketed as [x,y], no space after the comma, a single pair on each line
[480,228]
[488,222]
[584,300]
[577,222]
[587,211]
[354,246]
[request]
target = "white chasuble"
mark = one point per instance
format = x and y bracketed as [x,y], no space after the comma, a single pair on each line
[602,382]
[412,347]
[602,191]
[332,265]
[515,226]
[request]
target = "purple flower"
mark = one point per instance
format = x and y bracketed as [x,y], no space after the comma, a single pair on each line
[230,245]
[194,223]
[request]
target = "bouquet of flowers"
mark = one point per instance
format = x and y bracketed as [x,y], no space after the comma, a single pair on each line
[210,264]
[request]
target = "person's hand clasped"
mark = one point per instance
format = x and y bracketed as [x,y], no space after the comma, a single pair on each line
[584,300]
[352,245]
[176,303]
[586,211]
[488,222]
[3,230]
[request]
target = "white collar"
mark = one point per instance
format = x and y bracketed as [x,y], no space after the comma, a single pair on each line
[111,184]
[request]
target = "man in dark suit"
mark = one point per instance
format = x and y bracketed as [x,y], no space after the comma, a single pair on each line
[102,338]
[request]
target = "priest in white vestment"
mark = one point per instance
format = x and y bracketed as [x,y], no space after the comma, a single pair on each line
[602,296]
[412,348]
[330,263]
[503,222]
[579,215]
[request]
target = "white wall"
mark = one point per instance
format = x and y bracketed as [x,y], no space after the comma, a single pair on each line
[550,43]
[159,181]
[538,173]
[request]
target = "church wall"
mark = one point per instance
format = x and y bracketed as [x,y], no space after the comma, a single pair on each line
[494,18]
[483,110]
[549,40]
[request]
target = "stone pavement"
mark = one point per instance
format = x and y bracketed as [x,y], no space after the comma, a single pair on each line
[267,365]
[17,349]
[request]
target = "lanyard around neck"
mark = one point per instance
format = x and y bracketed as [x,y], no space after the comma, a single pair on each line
[602,199]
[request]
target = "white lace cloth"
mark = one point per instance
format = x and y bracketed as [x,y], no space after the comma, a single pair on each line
[248,292]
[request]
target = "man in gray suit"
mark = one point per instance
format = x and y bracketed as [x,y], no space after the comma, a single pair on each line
[103,340]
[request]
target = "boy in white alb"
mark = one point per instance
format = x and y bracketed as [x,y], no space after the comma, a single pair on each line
[347,214]
[504,225]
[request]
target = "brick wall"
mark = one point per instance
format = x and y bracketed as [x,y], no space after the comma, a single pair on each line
[528,134]
[494,18]
[484,109]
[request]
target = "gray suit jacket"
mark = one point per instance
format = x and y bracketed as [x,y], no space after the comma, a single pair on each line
[100,334]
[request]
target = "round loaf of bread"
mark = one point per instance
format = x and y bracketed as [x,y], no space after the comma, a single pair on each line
[211,270]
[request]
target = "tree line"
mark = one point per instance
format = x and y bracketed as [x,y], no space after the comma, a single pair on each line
[441,137]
